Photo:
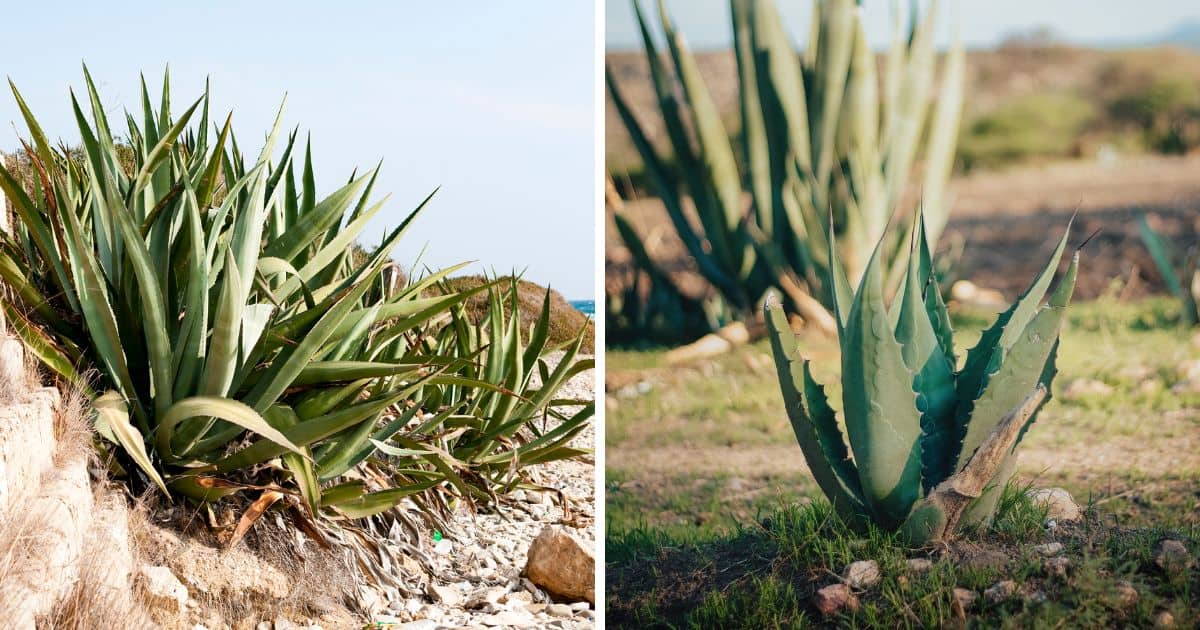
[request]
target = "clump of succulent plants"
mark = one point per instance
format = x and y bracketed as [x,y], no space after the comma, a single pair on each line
[930,445]
[828,144]
[240,340]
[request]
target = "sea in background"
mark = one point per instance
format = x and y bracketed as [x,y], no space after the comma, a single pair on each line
[587,307]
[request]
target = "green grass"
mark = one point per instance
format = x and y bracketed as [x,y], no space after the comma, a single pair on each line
[734,400]
[763,575]
[713,521]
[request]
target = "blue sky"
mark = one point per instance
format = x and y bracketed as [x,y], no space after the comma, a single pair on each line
[981,22]
[491,100]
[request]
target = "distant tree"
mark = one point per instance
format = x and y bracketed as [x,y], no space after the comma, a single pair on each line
[1166,110]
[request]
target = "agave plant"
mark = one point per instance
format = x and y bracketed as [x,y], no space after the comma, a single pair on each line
[1176,270]
[931,443]
[825,152]
[649,305]
[222,303]
[523,421]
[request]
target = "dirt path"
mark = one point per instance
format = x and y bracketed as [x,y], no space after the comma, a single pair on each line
[1007,219]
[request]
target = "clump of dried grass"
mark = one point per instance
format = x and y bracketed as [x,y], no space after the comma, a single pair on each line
[73,430]
[103,595]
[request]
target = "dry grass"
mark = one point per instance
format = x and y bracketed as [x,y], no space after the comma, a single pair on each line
[102,596]
[71,562]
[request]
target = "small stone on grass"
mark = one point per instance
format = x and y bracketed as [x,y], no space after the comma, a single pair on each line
[1049,549]
[833,598]
[1172,557]
[861,574]
[1056,566]
[1059,504]
[964,600]
[1126,595]
[919,565]
[1000,591]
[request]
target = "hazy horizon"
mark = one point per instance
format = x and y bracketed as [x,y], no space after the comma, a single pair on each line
[492,102]
[705,23]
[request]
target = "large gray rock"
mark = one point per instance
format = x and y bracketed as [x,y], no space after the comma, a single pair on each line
[560,564]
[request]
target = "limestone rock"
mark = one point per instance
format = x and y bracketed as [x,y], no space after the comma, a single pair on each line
[420,624]
[163,590]
[445,594]
[561,565]
[861,574]
[12,367]
[1059,504]
[509,619]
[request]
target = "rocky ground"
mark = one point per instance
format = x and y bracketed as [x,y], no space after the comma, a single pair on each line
[94,558]
[482,565]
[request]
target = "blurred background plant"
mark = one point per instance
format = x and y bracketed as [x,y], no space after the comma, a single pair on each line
[241,341]
[828,146]
[1032,97]
[1179,266]
[1038,125]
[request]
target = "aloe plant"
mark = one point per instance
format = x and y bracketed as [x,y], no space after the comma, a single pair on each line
[919,428]
[826,152]
[241,337]
[1180,272]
